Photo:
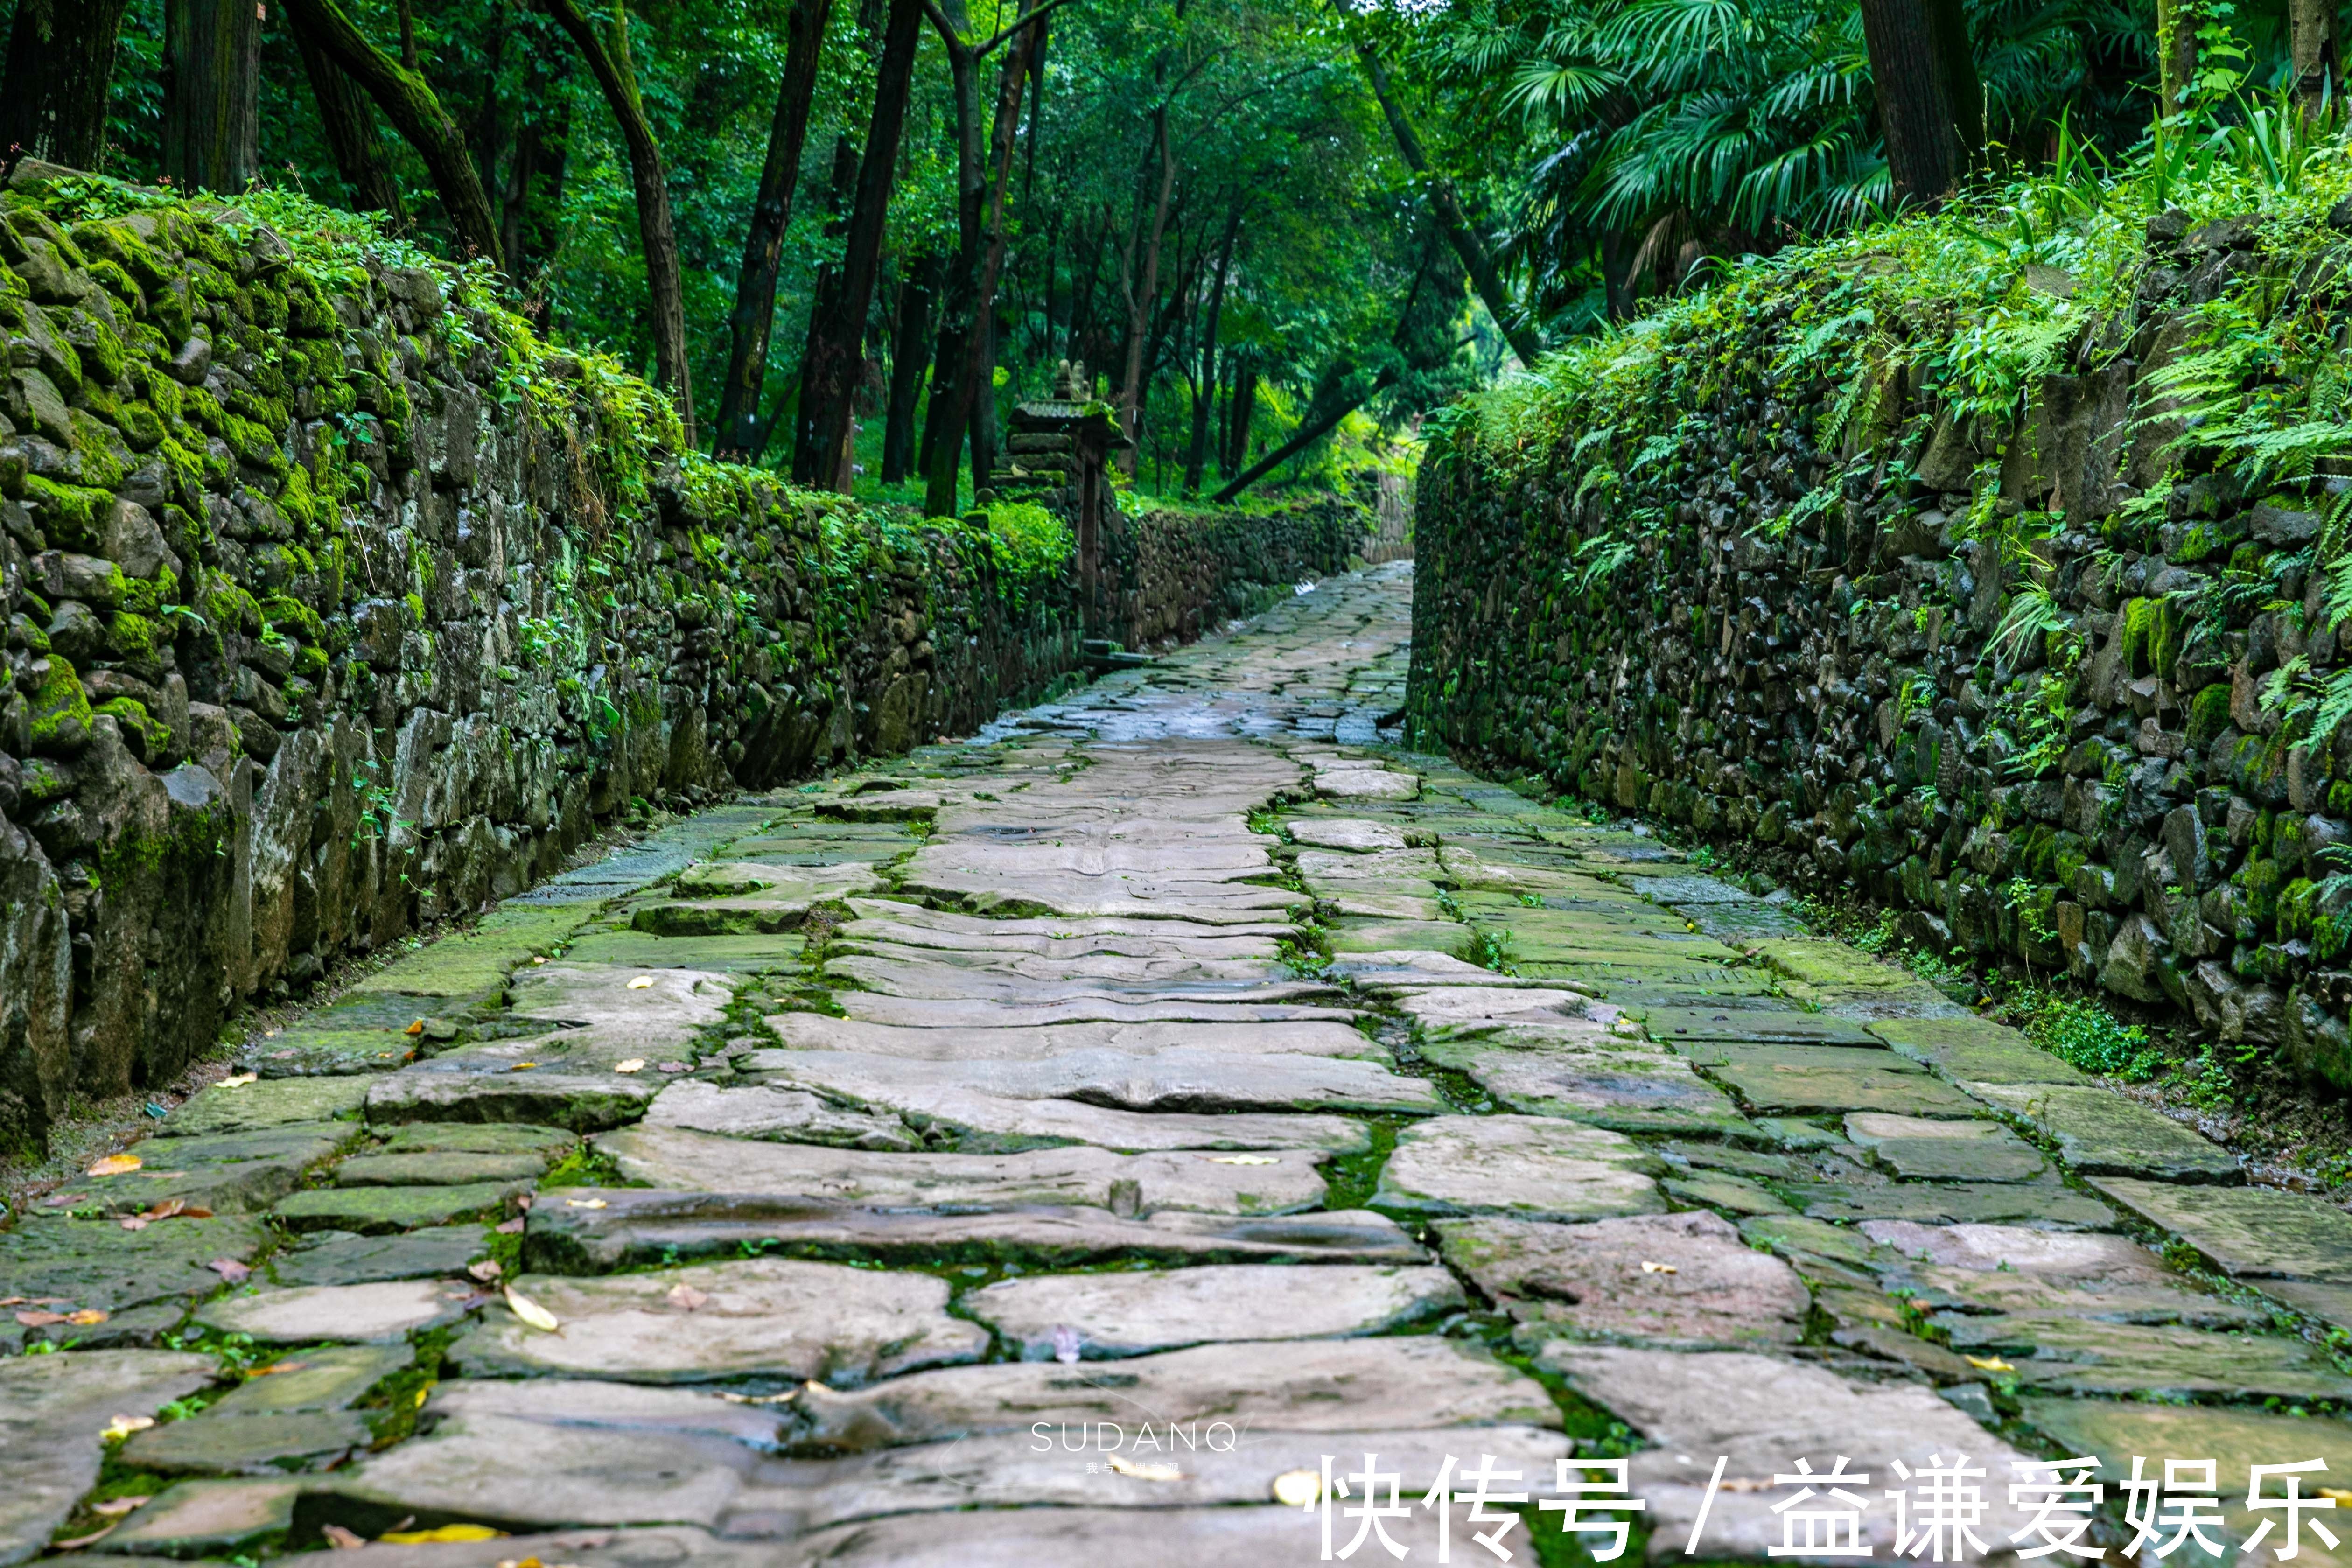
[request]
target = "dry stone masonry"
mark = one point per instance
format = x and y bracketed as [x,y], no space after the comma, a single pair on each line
[1054,1148]
[337,604]
[1770,605]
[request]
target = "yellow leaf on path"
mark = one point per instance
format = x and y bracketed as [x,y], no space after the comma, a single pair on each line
[583,1202]
[416,1028]
[116,1164]
[1650,1267]
[85,1317]
[124,1425]
[530,1313]
[81,1540]
[1243,1160]
[441,1532]
[635,1064]
[641,983]
[1988,1363]
[522,1067]
[237,1080]
[1143,1471]
[1298,1489]
[276,1367]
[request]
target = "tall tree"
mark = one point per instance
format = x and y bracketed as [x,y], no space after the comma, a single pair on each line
[2311,25]
[952,414]
[909,345]
[979,347]
[60,72]
[349,126]
[751,325]
[211,93]
[1204,386]
[1929,103]
[837,348]
[1476,259]
[1144,295]
[415,111]
[606,51]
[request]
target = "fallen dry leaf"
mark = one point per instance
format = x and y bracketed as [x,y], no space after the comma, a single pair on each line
[1243,1160]
[441,1532]
[486,1271]
[1143,1471]
[522,1067]
[1988,1363]
[341,1540]
[1298,1489]
[635,1064]
[416,1028]
[583,1202]
[115,1507]
[277,1366]
[672,1066]
[39,1320]
[537,960]
[79,1540]
[230,1270]
[641,982]
[136,1222]
[788,1395]
[686,1297]
[532,1312]
[238,1081]
[124,1425]
[1650,1267]
[85,1317]
[116,1164]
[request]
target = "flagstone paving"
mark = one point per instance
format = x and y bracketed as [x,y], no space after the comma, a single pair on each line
[1047,1148]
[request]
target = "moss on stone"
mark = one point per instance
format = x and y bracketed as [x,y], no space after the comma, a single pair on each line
[2209,714]
[71,515]
[61,711]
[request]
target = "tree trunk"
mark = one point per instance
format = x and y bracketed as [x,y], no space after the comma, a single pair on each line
[952,412]
[752,323]
[910,341]
[1139,305]
[2311,25]
[608,58]
[1476,259]
[1197,458]
[349,125]
[1241,414]
[417,114]
[980,349]
[2176,53]
[1929,103]
[212,94]
[60,75]
[836,351]
[1323,412]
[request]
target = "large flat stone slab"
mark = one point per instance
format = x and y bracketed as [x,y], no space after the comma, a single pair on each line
[770,1111]
[1626,1089]
[228,1173]
[207,1519]
[1529,1167]
[560,1080]
[1000,1013]
[438,1252]
[2255,1233]
[381,1211]
[1279,1183]
[637,1227]
[1929,1149]
[762,1317]
[1311,1386]
[1806,1080]
[1974,1050]
[2065,1353]
[1171,1080]
[100,1266]
[2100,1133]
[373,1313]
[268,1102]
[1683,1279]
[2044,1201]
[261,1445]
[1760,1413]
[1355,834]
[1129,1314]
[1758,1024]
[822,1032]
[53,1409]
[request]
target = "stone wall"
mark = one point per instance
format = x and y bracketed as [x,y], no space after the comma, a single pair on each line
[1768,608]
[1173,574]
[336,604]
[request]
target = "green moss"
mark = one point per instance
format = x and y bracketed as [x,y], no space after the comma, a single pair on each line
[2209,714]
[252,442]
[148,737]
[291,615]
[105,461]
[61,711]
[71,515]
[230,607]
[2297,906]
[132,637]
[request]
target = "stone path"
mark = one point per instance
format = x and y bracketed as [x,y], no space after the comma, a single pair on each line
[1049,1149]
